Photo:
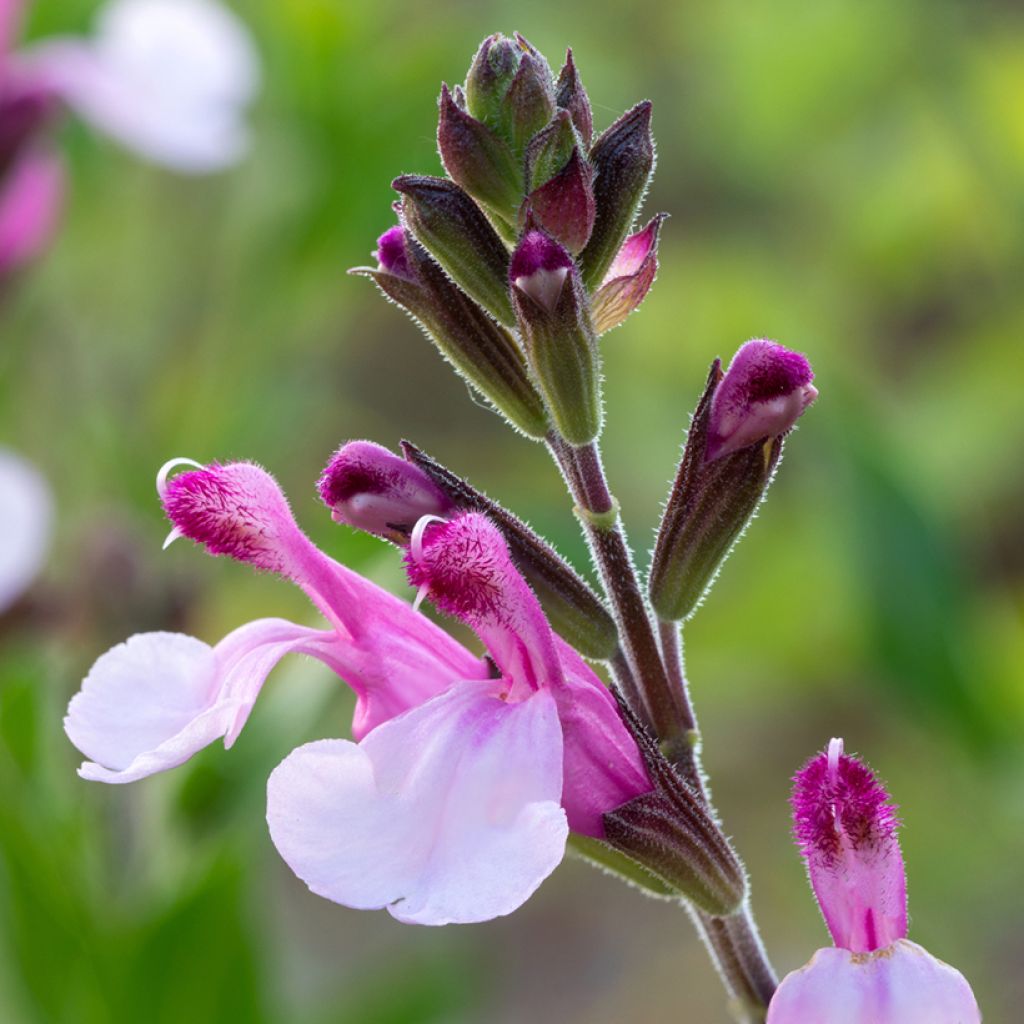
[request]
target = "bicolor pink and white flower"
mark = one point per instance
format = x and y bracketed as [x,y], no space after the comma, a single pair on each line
[169,79]
[845,824]
[455,797]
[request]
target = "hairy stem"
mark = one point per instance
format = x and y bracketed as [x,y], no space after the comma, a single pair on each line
[649,670]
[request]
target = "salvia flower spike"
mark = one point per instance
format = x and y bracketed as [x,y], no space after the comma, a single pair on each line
[845,824]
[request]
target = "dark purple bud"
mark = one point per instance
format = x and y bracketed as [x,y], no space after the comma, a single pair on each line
[571,96]
[564,206]
[629,278]
[765,391]
[670,833]
[623,159]
[713,497]
[451,227]
[576,613]
[366,486]
[554,322]
[478,160]
[482,351]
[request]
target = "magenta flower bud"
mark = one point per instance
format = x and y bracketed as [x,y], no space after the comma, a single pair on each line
[570,95]
[725,470]
[554,321]
[845,824]
[629,278]
[623,160]
[479,160]
[372,489]
[764,392]
[530,98]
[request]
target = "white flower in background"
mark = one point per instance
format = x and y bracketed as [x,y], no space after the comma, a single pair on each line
[26,522]
[170,79]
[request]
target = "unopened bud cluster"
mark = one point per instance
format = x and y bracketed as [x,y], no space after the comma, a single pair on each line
[517,261]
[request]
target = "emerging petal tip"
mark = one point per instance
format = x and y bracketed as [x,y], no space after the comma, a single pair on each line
[539,268]
[392,253]
[764,392]
[845,824]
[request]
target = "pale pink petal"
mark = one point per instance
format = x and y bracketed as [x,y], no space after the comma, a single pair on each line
[30,200]
[152,702]
[26,525]
[447,814]
[170,79]
[900,984]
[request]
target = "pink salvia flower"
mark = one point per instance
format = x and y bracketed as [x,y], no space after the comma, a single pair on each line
[456,799]
[845,824]
[763,393]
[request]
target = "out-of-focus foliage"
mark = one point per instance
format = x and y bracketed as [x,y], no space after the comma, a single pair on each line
[846,177]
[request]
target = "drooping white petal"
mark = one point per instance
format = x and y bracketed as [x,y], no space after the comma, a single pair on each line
[170,79]
[900,984]
[152,702]
[447,814]
[26,522]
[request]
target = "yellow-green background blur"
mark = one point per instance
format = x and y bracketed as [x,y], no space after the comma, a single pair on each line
[845,177]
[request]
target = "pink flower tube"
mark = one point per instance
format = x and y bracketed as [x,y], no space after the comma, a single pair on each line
[845,824]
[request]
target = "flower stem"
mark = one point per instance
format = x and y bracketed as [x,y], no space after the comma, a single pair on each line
[650,673]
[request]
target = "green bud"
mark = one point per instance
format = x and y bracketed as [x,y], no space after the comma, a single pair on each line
[451,227]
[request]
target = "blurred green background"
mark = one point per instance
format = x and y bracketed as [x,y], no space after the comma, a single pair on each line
[846,177]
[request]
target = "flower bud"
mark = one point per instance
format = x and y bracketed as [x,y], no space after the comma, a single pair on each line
[483,352]
[479,160]
[718,485]
[562,198]
[372,489]
[450,226]
[623,159]
[554,320]
[576,613]
[530,98]
[629,278]
[671,834]
[765,391]
[570,95]
[489,78]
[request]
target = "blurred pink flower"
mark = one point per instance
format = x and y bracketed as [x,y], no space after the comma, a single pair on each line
[846,825]
[456,799]
[169,79]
